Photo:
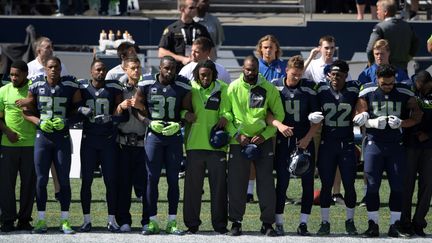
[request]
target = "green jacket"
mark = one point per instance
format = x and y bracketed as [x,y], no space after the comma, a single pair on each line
[209,105]
[250,105]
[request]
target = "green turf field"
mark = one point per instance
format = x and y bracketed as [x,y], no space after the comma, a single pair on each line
[251,218]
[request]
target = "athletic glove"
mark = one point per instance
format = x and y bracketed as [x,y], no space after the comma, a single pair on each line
[361,118]
[46,125]
[394,122]
[157,126]
[171,129]
[85,111]
[58,123]
[378,123]
[102,119]
[315,117]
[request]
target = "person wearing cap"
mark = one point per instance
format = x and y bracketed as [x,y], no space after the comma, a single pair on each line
[206,147]
[381,53]
[337,98]
[386,109]
[419,155]
[302,120]
[17,146]
[252,98]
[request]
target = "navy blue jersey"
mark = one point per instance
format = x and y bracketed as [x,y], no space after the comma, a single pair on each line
[54,101]
[102,101]
[381,104]
[338,108]
[164,102]
[298,102]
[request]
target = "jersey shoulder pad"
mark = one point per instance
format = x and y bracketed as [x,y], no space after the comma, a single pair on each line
[147,80]
[367,88]
[83,83]
[115,84]
[38,78]
[321,86]
[183,85]
[36,84]
[353,86]
[308,86]
[183,79]
[278,83]
[404,89]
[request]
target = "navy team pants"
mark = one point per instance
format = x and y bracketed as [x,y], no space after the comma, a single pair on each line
[95,149]
[163,150]
[331,154]
[55,147]
[284,147]
[388,157]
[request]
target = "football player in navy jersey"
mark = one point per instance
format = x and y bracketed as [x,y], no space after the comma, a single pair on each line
[55,99]
[165,96]
[296,132]
[385,108]
[337,98]
[100,99]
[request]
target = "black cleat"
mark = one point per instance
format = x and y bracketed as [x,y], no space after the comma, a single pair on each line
[86,227]
[302,230]
[394,230]
[267,230]
[372,230]
[236,229]
[192,230]
[7,226]
[222,231]
[26,226]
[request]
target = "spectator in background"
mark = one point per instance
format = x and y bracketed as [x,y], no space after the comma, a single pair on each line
[124,50]
[269,52]
[402,40]
[210,21]
[201,49]
[314,68]
[43,49]
[381,52]
[177,38]
[361,5]
[429,44]
[104,5]
[63,8]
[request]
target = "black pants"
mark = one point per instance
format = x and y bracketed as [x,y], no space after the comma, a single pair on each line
[131,165]
[419,161]
[238,177]
[12,161]
[197,163]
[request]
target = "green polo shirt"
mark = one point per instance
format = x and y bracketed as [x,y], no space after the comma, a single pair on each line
[209,105]
[250,105]
[13,116]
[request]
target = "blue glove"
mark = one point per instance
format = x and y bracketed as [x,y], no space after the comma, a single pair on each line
[171,129]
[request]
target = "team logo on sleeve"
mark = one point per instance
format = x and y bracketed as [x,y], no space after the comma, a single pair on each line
[41,90]
[153,91]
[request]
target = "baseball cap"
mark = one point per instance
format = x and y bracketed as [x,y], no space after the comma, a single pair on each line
[251,151]
[218,137]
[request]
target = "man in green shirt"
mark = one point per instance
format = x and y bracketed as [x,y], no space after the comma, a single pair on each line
[16,153]
[210,109]
[252,99]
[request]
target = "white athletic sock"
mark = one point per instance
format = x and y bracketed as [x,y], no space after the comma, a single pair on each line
[279,219]
[250,189]
[394,216]
[325,214]
[64,215]
[349,213]
[304,218]
[41,215]
[111,219]
[87,218]
[373,215]
[154,218]
[171,217]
